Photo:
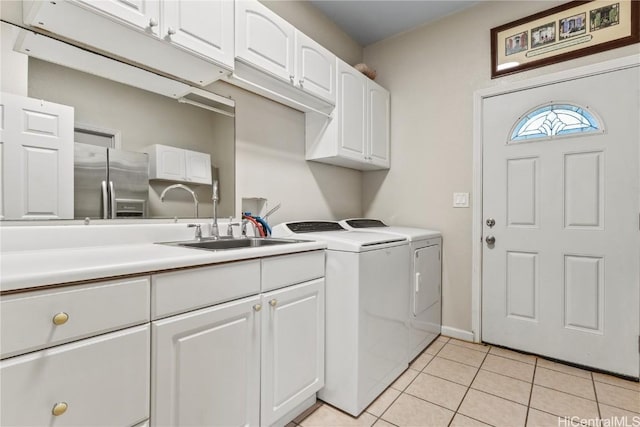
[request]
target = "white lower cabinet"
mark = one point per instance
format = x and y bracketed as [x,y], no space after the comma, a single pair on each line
[206,366]
[254,361]
[292,348]
[101,381]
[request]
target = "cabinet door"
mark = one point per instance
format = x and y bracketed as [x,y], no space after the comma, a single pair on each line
[143,14]
[264,39]
[352,92]
[170,163]
[198,167]
[204,27]
[206,367]
[292,348]
[378,122]
[104,381]
[315,68]
[37,158]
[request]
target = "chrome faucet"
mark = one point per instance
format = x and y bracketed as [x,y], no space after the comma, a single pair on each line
[184,187]
[215,231]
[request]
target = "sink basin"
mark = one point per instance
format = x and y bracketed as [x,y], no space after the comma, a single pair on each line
[225,244]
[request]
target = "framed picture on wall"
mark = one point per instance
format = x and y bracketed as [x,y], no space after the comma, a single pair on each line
[568,31]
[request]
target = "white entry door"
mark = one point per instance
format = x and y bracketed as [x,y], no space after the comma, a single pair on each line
[562,278]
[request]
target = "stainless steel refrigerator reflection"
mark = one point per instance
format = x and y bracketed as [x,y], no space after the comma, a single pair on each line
[110,183]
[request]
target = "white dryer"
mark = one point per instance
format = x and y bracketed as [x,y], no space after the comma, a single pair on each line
[366,297]
[425,282]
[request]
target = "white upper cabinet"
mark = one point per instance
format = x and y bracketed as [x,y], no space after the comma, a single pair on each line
[315,68]
[378,108]
[177,164]
[352,112]
[144,14]
[188,39]
[358,135]
[264,39]
[204,27]
[37,158]
[269,44]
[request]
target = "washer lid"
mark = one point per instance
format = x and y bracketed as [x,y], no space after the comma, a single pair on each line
[375,225]
[336,237]
[364,223]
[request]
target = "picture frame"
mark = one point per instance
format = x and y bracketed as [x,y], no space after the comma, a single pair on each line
[565,32]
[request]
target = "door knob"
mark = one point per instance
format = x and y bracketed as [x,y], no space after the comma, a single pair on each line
[490,240]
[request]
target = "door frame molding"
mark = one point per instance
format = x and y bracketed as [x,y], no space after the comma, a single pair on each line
[478,98]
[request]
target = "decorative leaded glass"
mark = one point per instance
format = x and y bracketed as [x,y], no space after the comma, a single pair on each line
[552,120]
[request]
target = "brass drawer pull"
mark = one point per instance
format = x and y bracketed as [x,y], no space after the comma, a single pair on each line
[60,318]
[59,408]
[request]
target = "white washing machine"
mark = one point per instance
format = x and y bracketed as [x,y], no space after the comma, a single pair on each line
[366,304]
[425,279]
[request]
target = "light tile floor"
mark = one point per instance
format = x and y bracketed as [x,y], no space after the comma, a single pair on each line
[458,384]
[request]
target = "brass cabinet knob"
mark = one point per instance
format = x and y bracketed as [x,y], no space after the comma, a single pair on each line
[59,408]
[60,318]
[257,307]
[273,302]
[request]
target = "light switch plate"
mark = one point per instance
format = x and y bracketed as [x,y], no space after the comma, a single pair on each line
[460,200]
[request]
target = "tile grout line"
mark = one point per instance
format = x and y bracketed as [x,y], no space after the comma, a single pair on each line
[595,393]
[533,379]
[467,391]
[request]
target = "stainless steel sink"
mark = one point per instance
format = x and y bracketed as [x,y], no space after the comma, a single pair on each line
[225,244]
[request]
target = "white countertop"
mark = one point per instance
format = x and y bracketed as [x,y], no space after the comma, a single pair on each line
[33,268]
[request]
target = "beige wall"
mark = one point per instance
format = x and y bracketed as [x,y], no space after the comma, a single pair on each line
[432,73]
[270,164]
[311,21]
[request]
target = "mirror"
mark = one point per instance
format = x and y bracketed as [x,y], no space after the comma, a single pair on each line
[139,119]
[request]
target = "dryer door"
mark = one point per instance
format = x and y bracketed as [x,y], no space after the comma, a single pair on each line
[426,279]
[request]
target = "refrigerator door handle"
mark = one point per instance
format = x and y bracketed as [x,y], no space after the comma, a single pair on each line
[105,200]
[113,200]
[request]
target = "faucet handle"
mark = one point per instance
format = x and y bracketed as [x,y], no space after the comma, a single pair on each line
[198,227]
[230,226]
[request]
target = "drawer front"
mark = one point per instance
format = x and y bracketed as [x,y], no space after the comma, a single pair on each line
[186,290]
[35,320]
[286,270]
[102,380]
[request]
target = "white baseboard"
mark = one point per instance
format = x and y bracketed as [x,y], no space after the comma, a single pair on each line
[457,333]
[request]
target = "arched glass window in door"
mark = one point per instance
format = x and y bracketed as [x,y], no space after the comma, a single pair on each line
[555,120]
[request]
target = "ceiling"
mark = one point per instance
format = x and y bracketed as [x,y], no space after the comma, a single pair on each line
[369,21]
